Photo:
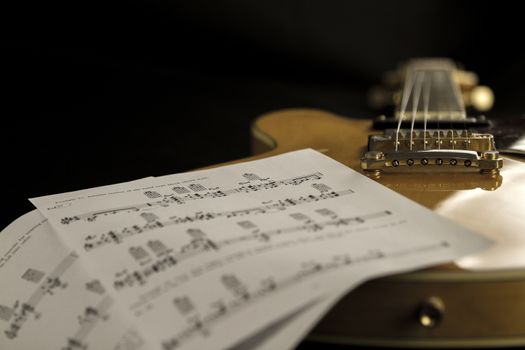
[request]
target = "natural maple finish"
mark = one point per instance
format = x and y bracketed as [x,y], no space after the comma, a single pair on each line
[483,308]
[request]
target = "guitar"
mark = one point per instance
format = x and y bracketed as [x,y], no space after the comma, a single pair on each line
[434,153]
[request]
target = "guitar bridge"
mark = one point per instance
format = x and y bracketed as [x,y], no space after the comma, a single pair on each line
[431,151]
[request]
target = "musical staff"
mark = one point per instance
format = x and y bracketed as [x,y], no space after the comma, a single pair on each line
[201,245]
[170,199]
[94,241]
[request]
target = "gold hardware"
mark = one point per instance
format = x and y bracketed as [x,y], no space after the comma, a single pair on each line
[420,151]
[434,93]
[481,98]
[431,312]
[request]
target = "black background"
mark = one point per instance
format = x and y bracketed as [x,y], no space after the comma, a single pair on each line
[97,93]
[103,92]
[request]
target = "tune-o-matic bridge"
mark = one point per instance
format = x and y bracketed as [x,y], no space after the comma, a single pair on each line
[431,151]
[432,96]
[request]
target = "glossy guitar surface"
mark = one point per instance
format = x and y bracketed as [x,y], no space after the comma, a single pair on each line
[478,301]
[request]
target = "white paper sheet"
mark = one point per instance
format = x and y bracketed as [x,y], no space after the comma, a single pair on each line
[49,301]
[207,259]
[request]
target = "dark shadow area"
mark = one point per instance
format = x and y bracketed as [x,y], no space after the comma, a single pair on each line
[104,92]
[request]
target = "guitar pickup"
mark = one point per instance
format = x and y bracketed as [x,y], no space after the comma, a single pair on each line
[431,151]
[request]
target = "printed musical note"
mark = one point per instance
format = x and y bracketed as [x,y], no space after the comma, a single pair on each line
[252,177]
[246,224]
[180,190]
[184,304]
[149,217]
[234,285]
[33,275]
[321,187]
[95,286]
[138,253]
[6,313]
[157,247]
[196,187]
[326,212]
[299,216]
[152,194]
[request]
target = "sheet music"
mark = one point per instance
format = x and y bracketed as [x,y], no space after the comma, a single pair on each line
[208,258]
[49,301]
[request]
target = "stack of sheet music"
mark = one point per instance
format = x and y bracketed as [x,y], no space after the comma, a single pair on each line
[246,256]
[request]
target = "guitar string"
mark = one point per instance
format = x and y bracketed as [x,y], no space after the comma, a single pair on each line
[426,102]
[456,90]
[467,136]
[407,91]
[459,97]
[456,96]
[452,96]
[421,81]
[466,144]
[440,108]
[415,103]
[448,109]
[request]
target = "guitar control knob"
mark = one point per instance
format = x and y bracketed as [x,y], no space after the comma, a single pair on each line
[482,98]
[431,312]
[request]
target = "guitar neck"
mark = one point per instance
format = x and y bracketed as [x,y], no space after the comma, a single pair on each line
[430,92]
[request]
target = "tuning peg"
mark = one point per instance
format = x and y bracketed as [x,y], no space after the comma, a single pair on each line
[481,98]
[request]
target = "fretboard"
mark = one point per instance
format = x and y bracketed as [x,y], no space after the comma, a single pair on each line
[430,92]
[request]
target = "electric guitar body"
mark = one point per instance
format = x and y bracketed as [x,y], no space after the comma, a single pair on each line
[477,301]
